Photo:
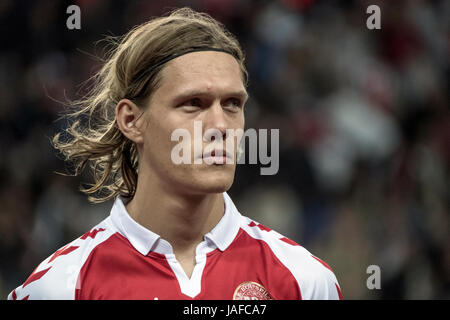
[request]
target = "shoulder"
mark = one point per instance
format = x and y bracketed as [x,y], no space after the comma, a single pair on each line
[315,277]
[56,277]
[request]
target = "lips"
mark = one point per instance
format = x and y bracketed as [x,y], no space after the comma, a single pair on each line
[220,153]
[214,157]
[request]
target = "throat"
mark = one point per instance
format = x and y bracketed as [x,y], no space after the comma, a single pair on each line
[181,221]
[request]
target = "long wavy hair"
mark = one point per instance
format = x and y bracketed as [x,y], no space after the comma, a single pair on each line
[131,70]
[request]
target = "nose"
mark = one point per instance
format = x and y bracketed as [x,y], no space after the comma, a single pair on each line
[215,120]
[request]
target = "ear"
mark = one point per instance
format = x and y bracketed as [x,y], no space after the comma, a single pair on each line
[129,120]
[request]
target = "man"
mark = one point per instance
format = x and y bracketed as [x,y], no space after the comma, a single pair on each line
[173,232]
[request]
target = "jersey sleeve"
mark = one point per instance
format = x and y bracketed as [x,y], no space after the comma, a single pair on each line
[57,277]
[321,283]
[53,279]
[315,278]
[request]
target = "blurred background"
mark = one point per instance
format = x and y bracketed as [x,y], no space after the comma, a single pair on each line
[363,118]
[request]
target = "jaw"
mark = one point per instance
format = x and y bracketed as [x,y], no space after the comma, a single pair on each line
[205,179]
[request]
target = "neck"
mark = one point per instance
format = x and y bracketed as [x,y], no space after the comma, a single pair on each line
[180,219]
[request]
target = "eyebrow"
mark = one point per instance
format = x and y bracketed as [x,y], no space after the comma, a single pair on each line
[191,93]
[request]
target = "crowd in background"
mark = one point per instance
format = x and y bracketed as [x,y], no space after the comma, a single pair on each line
[363,118]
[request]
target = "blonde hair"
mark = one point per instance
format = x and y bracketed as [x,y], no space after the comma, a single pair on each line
[131,70]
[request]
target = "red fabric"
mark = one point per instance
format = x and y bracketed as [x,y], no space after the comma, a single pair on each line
[115,270]
[339,292]
[91,233]
[247,259]
[35,276]
[289,241]
[260,226]
[62,251]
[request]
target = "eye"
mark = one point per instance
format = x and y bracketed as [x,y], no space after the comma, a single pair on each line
[192,104]
[233,103]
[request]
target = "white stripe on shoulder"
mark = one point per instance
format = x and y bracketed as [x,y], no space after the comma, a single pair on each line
[56,277]
[315,279]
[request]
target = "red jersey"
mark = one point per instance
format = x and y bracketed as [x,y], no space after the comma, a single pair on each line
[238,259]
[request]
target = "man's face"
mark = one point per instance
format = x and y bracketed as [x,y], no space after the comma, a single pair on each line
[205,87]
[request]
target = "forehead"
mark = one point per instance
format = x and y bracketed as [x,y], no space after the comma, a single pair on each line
[204,69]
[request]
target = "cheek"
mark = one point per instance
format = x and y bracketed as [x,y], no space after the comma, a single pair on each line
[239,121]
[158,144]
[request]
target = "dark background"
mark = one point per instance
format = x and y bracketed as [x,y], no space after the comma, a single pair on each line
[363,118]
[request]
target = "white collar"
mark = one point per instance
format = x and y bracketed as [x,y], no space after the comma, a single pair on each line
[144,240]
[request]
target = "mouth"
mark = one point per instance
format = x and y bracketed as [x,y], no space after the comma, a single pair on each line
[217,157]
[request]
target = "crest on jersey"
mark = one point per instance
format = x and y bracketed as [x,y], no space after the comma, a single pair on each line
[250,290]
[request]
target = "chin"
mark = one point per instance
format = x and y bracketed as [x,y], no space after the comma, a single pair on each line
[212,181]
